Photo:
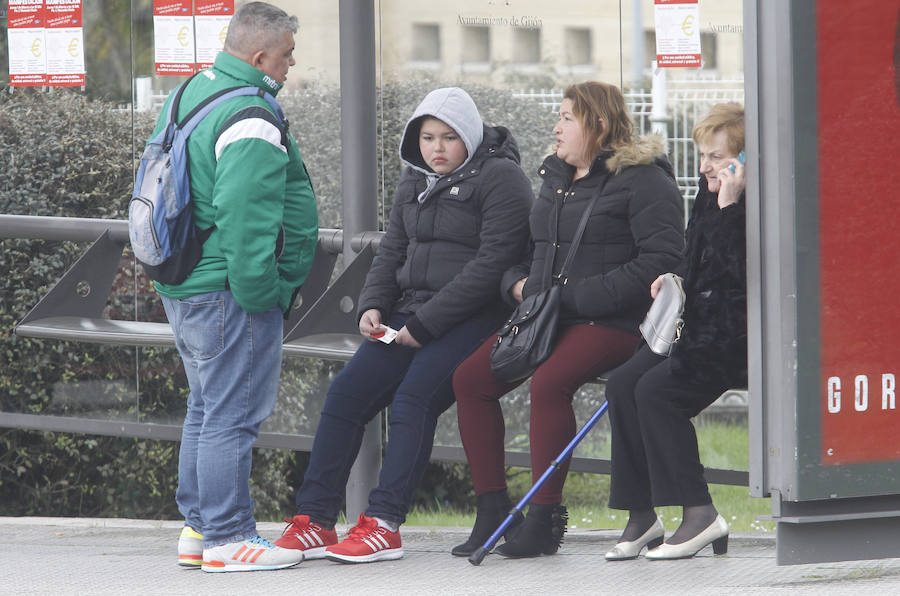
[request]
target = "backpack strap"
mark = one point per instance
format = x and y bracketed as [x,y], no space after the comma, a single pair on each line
[172,114]
[276,107]
[193,118]
[189,122]
[273,114]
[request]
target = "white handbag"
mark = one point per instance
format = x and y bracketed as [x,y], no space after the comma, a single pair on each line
[662,325]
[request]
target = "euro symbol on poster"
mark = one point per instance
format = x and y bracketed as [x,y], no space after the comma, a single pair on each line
[183,37]
[688,25]
[36,47]
[73,47]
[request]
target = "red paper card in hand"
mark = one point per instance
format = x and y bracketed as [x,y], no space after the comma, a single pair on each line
[385,334]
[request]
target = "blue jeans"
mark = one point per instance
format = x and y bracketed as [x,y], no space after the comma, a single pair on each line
[233,363]
[417,384]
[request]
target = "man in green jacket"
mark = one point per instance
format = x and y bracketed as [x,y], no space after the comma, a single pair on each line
[249,185]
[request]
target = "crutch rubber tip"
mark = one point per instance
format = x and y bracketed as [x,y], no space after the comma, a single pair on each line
[478,556]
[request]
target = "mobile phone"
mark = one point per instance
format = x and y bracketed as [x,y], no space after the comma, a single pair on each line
[741,158]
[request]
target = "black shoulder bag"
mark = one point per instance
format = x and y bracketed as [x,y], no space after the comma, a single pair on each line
[528,337]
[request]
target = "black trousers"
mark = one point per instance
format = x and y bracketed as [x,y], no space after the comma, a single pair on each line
[655,459]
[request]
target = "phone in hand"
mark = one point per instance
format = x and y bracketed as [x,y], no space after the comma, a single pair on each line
[742,157]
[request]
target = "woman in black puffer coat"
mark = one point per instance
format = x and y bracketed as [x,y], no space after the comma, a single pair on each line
[655,458]
[634,233]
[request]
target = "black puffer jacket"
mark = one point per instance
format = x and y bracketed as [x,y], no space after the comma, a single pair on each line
[443,258]
[635,232]
[713,344]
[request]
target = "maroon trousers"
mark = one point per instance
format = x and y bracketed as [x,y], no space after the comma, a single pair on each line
[582,353]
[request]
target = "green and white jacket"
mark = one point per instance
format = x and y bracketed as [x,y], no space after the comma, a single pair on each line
[247,179]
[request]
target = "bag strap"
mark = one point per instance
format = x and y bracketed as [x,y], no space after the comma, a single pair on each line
[563,276]
[172,114]
[189,122]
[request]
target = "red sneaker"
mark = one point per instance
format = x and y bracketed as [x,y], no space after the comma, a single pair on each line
[366,543]
[301,534]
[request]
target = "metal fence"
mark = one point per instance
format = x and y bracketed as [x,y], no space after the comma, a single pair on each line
[682,102]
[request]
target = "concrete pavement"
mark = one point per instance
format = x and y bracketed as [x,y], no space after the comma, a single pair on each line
[75,556]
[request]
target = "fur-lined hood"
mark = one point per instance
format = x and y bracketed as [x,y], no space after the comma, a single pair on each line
[642,151]
[635,231]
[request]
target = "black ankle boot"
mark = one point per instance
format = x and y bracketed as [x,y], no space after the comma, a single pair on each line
[493,507]
[540,533]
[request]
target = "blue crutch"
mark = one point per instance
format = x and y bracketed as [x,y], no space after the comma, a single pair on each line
[478,556]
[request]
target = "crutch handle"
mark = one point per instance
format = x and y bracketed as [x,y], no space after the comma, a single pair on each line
[478,556]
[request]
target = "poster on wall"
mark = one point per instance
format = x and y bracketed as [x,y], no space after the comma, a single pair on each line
[211,19]
[27,50]
[173,37]
[858,95]
[677,33]
[65,43]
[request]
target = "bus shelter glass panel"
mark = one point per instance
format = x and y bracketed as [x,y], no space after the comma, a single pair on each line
[71,152]
[68,147]
[310,99]
[516,59]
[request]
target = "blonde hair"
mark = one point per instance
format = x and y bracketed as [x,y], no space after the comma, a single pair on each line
[600,109]
[723,116]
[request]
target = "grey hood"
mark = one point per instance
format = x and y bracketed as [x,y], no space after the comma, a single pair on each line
[454,107]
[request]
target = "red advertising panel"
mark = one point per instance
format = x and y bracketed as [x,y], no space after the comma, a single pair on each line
[25,30]
[211,19]
[65,43]
[859,177]
[173,37]
[213,7]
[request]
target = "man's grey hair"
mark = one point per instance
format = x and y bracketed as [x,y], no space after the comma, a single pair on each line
[256,26]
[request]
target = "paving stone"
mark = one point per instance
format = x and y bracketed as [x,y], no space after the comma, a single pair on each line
[114,556]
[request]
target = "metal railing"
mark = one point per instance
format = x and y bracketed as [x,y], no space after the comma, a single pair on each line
[79,229]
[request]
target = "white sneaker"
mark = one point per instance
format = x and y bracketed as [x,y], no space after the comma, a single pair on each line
[190,548]
[253,554]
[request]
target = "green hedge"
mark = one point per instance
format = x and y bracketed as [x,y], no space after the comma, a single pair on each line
[66,155]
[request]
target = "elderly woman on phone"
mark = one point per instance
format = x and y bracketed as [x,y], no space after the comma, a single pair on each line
[652,398]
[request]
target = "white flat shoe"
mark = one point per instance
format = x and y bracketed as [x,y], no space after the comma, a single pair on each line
[652,538]
[715,533]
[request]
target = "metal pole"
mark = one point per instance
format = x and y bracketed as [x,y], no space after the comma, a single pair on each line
[637,45]
[659,116]
[359,196]
[759,462]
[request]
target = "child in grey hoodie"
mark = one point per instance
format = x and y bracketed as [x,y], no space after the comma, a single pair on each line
[459,220]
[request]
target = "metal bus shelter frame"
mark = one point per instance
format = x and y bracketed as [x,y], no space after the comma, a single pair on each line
[812,525]
[822,513]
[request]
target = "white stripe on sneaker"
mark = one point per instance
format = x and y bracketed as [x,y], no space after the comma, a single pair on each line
[369,543]
[310,540]
[381,539]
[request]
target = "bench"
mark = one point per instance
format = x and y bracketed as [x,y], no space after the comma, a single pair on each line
[321,324]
